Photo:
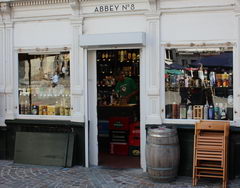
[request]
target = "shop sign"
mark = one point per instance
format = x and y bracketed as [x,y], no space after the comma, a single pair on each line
[115,8]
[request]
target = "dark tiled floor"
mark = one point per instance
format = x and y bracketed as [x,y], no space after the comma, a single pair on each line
[118,161]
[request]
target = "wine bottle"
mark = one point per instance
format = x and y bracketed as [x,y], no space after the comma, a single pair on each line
[189,112]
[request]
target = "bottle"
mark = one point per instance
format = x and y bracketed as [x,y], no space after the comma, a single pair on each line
[225,79]
[106,55]
[125,55]
[205,111]
[212,78]
[175,110]
[26,107]
[57,108]
[216,112]
[134,56]
[22,106]
[230,80]
[223,114]
[62,107]
[121,56]
[34,109]
[183,111]
[67,110]
[189,112]
[129,56]
[210,112]
[103,56]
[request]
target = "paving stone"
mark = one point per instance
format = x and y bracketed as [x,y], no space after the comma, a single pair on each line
[31,176]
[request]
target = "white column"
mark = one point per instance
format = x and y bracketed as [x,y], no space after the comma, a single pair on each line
[236,70]
[152,68]
[77,70]
[9,70]
[6,64]
[152,77]
[2,75]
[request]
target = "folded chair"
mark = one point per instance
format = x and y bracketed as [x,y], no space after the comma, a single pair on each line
[210,156]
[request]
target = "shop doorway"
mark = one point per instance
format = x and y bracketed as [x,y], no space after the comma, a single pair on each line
[118,107]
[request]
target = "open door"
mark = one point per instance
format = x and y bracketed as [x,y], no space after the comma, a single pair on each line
[92,108]
[118,107]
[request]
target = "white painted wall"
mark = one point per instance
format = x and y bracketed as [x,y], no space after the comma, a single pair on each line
[42,33]
[198,26]
[193,3]
[114,24]
[41,11]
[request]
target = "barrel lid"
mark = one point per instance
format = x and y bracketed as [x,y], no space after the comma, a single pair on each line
[162,130]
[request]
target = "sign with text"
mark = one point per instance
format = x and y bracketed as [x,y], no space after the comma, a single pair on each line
[115,8]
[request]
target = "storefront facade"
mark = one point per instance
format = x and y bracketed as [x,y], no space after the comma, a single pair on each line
[71,32]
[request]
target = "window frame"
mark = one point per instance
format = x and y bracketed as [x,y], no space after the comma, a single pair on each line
[16,81]
[236,81]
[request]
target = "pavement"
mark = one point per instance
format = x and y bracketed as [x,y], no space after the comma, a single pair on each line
[31,176]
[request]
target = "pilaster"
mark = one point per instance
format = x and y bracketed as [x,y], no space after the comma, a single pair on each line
[152,68]
[2,74]
[236,67]
[6,83]
[77,66]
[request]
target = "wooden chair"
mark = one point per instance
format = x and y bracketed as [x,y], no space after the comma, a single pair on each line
[211,150]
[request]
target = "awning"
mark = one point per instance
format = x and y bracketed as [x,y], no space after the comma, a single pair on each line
[225,59]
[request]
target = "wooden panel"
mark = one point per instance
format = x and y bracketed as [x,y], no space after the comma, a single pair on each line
[43,148]
[47,126]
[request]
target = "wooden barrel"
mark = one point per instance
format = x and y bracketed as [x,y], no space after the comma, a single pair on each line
[162,153]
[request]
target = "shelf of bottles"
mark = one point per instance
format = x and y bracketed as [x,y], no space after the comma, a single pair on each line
[109,62]
[44,84]
[202,92]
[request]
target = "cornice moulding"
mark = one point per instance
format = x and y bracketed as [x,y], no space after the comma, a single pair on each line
[229,7]
[36,2]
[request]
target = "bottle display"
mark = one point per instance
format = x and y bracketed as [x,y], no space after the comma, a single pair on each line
[108,63]
[201,83]
[44,84]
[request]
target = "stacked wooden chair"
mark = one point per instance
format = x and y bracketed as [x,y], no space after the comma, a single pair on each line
[211,150]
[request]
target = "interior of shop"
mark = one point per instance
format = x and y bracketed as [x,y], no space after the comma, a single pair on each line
[118,108]
[44,84]
[199,83]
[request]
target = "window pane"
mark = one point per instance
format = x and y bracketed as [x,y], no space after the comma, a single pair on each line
[44,84]
[199,84]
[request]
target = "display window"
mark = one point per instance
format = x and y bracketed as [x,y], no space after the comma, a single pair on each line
[199,83]
[44,84]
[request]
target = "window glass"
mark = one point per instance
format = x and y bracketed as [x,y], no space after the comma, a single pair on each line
[44,84]
[199,84]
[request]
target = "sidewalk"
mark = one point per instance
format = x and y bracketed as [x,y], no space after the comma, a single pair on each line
[29,176]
